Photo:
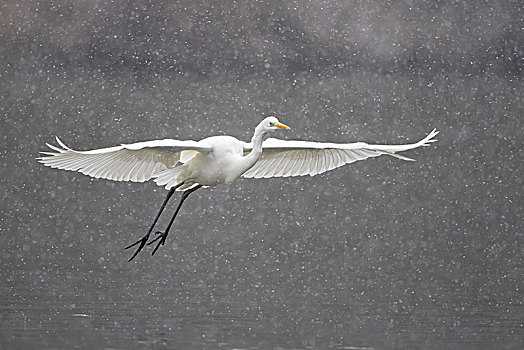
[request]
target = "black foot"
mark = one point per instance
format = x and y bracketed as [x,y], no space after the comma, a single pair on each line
[142,242]
[161,235]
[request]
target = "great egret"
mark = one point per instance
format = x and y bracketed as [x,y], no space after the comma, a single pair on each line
[189,165]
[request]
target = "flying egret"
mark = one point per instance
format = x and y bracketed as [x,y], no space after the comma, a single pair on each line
[189,165]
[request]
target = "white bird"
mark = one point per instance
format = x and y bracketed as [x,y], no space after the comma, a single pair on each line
[189,165]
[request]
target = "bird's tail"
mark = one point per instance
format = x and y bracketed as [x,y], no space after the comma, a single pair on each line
[172,177]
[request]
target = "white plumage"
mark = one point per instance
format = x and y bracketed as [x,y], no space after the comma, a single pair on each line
[136,162]
[282,158]
[218,159]
[190,165]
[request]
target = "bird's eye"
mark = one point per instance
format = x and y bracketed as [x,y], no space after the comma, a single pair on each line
[272,123]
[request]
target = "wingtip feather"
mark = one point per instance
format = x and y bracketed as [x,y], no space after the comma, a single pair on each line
[430,138]
[61,143]
[54,148]
[402,157]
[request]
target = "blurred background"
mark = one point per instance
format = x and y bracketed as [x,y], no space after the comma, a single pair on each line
[380,254]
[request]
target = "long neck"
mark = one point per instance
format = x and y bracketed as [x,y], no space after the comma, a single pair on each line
[251,158]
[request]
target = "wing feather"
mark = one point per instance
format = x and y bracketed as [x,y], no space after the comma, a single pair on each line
[136,162]
[314,163]
[297,158]
[292,164]
[102,168]
[281,163]
[306,165]
[330,160]
[338,158]
[300,157]
[320,161]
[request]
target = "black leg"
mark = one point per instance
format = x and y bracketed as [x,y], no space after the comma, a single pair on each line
[162,235]
[142,241]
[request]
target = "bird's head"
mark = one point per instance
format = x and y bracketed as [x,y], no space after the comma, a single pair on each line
[271,123]
[266,126]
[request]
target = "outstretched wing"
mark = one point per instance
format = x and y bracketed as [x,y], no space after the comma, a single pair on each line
[133,162]
[281,158]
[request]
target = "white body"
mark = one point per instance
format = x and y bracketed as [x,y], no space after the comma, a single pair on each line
[218,159]
[224,164]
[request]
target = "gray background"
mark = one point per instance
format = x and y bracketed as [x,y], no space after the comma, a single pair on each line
[381,254]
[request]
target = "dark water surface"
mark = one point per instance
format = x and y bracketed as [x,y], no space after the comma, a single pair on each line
[224,301]
[155,315]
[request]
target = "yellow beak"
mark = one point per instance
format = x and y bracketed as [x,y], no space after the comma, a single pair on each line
[283,126]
